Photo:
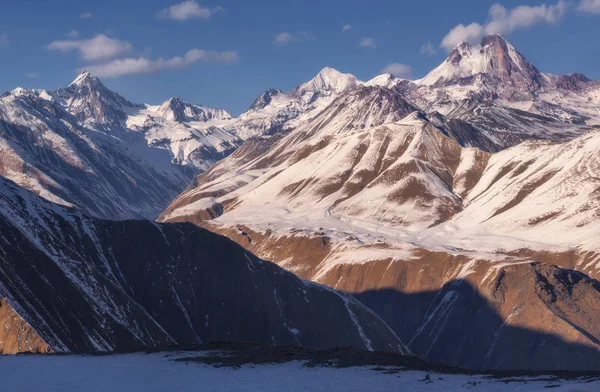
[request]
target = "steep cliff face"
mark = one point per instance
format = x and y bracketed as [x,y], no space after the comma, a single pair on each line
[90,285]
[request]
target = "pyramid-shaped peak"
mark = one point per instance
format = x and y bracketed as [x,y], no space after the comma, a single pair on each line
[84,78]
[328,80]
[494,58]
[329,71]
[333,75]
[173,101]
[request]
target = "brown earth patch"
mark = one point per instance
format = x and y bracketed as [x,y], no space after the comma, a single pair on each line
[543,218]
[505,170]
[16,336]
[307,150]
[471,177]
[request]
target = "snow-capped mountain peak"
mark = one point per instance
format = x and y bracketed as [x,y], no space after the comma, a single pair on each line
[494,58]
[178,110]
[21,92]
[85,78]
[384,80]
[265,99]
[326,82]
[89,100]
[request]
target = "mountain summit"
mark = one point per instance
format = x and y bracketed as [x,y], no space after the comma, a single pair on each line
[495,62]
[326,82]
[89,100]
[177,110]
[85,79]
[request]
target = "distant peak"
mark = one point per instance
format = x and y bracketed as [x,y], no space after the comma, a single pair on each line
[492,37]
[327,81]
[329,71]
[494,58]
[265,98]
[174,104]
[84,78]
[174,100]
[383,80]
[495,39]
[19,91]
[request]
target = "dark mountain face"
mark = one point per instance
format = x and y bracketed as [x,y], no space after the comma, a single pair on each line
[91,285]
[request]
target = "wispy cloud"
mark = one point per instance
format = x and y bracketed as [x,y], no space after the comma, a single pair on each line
[187,10]
[99,47]
[85,15]
[143,65]
[589,6]
[32,75]
[286,38]
[427,49]
[398,70]
[3,40]
[504,21]
[346,27]
[72,34]
[367,43]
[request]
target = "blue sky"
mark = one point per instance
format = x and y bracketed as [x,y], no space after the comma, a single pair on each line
[236,54]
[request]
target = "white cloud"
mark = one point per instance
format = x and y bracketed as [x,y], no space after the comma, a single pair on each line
[143,65]
[367,43]
[86,15]
[504,21]
[187,10]
[346,27]
[462,33]
[285,38]
[3,40]
[589,6]
[99,47]
[72,34]
[32,75]
[427,49]
[398,70]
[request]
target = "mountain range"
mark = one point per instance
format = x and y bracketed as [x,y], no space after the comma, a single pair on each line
[460,209]
[464,200]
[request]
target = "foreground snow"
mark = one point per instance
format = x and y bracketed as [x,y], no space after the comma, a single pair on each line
[159,372]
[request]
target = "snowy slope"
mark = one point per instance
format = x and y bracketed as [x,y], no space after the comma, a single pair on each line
[166,372]
[195,136]
[108,173]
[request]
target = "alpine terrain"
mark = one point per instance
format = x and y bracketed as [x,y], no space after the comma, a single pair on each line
[462,207]
[454,218]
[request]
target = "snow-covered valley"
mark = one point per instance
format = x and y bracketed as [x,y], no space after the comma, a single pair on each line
[167,372]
